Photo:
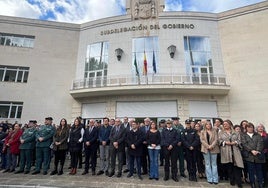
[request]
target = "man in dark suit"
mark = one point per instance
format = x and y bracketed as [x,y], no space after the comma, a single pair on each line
[117,147]
[91,145]
[127,126]
[145,162]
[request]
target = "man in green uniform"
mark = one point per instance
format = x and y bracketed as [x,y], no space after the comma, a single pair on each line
[44,138]
[27,145]
[179,127]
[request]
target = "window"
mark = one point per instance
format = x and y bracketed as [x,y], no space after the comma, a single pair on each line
[10,109]
[7,39]
[145,47]
[198,58]
[96,64]
[13,74]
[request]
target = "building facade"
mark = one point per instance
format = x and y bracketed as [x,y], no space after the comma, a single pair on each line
[147,63]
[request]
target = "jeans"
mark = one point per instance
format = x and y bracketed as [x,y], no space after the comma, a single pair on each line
[153,154]
[211,167]
[255,169]
[132,160]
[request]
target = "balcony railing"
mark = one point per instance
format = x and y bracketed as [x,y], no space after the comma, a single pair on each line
[100,82]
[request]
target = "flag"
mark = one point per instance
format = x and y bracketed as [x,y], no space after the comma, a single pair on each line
[136,66]
[154,63]
[144,65]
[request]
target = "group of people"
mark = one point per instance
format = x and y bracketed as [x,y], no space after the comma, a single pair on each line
[212,151]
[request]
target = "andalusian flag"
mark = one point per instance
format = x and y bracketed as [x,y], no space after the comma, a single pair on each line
[154,63]
[144,65]
[136,66]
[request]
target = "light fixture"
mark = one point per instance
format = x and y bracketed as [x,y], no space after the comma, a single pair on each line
[118,53]
[171,50]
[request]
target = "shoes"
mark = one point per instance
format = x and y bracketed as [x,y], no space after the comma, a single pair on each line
[100,172]
[194,179]
[126,170]
[36,172]
[150,178]
[93,173]
[27,172]
[18,172]
[13,170]
[119,175]
[156,179]
[144,173]
[107,173]
[85,172]
[183,175]
[139,176]
[175,178]
[210,182]
[69,167]
[60,172]
[129,175]
[111,174]
[53,172]
[45,173]
[216,183]
[166,178]
[6,170]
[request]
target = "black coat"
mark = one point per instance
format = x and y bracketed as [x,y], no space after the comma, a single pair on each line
[118,137]
[190,138]
[137,139]
[169,137]
[75,135]
[91,137]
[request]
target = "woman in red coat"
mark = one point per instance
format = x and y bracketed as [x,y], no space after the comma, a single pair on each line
[12,143]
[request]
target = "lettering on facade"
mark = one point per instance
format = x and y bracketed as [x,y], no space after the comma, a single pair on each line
[147,27]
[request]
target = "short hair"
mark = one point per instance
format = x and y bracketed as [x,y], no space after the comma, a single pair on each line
[106,118]
[250,125]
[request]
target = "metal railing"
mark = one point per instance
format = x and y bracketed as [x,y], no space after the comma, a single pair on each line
[110,81]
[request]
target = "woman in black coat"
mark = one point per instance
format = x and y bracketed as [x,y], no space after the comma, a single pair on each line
[75,144]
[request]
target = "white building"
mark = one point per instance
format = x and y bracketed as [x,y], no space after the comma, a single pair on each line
[217,69]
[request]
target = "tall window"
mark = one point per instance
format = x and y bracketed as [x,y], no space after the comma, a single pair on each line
[198,58]
[8,39]
[145,47]
[10,109]
[13,74]
[97,61]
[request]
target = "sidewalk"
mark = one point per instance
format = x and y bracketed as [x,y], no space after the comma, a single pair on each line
[11,180]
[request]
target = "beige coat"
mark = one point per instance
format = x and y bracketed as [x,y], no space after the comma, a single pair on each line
[213,141]
[230,154]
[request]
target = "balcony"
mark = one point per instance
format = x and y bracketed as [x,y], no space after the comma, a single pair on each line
[121,85]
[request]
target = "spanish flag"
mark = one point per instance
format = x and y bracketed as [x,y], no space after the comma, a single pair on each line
[144,65]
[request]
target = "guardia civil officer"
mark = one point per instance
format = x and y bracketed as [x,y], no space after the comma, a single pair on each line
[44,138]
[27,145]
[179,127]
[190,141]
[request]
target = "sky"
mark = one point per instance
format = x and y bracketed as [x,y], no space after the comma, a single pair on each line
[81,11]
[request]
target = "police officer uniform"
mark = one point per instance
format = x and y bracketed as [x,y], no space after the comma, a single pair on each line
[169,140]
[26,148]
[190,140]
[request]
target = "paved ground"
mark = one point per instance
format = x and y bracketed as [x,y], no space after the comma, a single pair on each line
[11,180]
